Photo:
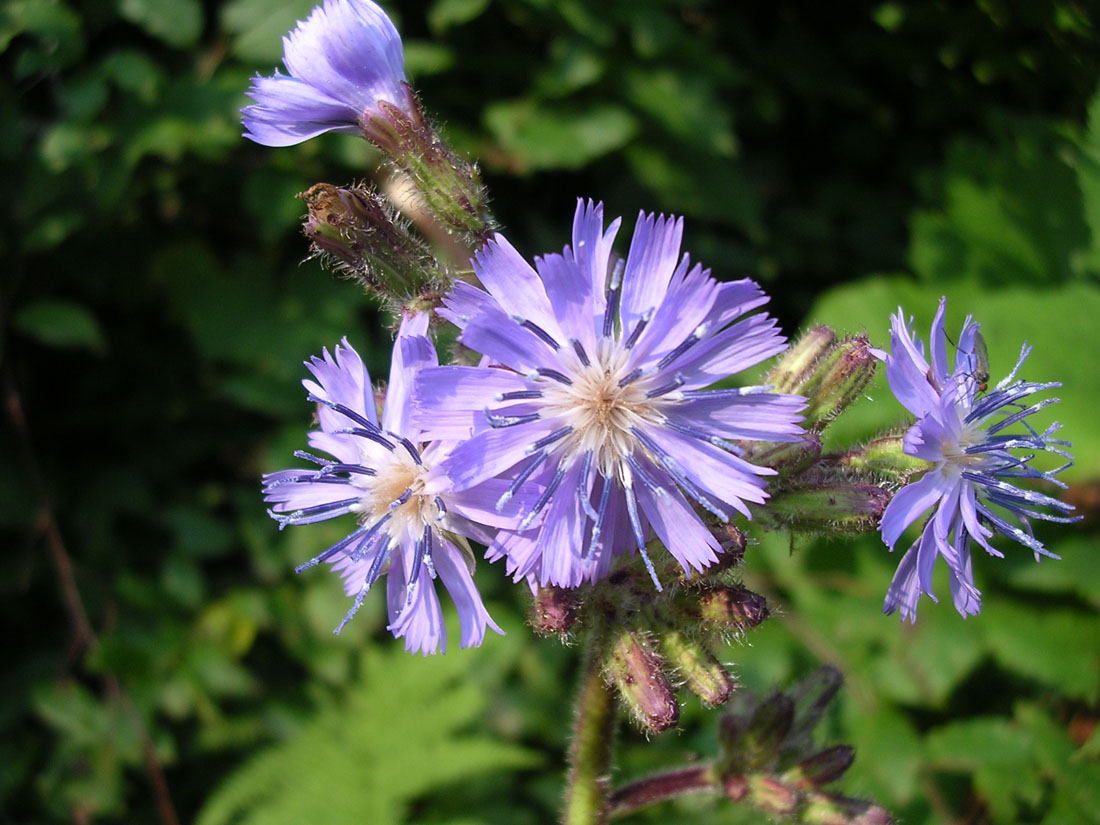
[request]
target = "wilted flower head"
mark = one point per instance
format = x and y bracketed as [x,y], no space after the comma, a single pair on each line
[592,391]
[971,484]
[343,60]
[377,473]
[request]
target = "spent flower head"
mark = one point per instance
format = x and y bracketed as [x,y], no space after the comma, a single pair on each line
[592,390]
[979,445]
[376,472]
[343,60]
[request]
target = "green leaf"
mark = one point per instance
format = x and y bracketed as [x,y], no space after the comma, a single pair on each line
[177,22]
[537,137]
[1087,163]
[61,324]
[398,736]
[443,14]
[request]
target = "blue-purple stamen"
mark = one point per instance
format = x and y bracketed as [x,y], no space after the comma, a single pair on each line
[368,582]
[341,545]
[736,392]
[517,395]
[672,466]
[547,440]
[401,499]
[639,534]
[582,488]
[540,333]
[371,435]
[307,477]
[318,512]
[441,507]
[423,548]
[1013,532]
[1021,415]
[683,346]
[561,378]
[502,421]
[638,327]
[578,348]
[371,533]
[703,435]
[543,499]
[665,389]
[601,515]
[614,291]
[311,457]
[647,479]
[346,411]
[631,376]
[411,450]
[524,474]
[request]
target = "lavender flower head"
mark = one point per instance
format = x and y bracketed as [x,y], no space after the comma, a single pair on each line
[343,60]
[377,473]
[591,391]
[971,485]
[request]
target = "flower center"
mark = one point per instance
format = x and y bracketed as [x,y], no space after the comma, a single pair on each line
[396,489]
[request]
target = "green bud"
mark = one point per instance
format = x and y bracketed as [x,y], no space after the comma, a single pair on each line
[830,809]
[838,379]
[786,458]
[703,674]
[449,188]
[884,456]
[798,362]
[821,768]
[360,233]
[772,795]
[833,506]
[638,672]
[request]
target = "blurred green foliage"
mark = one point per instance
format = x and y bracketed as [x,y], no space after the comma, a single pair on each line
[155,310]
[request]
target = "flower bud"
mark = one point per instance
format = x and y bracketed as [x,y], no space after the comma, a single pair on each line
[886,457]
[731,608]
[833,506]
[449,188]
[554,610]
[772,795]
[798,362]
[830,809]
[821,768]
[636,669]
[786,458]
[768,729]
[703,674]
[838,379]
[362,235]
[812,697]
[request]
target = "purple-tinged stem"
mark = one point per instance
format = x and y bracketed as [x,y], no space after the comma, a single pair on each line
[662,786]
[586,795]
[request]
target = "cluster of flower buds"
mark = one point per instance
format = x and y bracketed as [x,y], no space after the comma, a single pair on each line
[815,493]
[769,758]
[648,644]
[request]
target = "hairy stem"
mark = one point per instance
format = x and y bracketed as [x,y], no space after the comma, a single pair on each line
[659,787]
[586,795]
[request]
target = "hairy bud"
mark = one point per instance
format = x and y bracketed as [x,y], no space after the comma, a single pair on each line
[884,456]
[703,674]
[821,768]
[638,672]
[838,379]
[798,362]
[731,608]
[554,611]
[835,506]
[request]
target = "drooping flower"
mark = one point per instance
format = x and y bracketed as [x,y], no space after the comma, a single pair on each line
[343,60]
[592,389]
[377,473]
[975,462]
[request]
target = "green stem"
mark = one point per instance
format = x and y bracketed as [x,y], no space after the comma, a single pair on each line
[586,796]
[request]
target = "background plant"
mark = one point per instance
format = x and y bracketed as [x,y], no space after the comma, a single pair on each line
[849,159]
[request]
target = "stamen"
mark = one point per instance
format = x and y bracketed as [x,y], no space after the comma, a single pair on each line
[1022,414]
[522,477]
[401,499]
[672,466]
[542,334]
[318,512]
[412,451]
[644,475]
[332,551]
[703,435]
[555,375]
[557,435]
[582,489]
[665,389]
[579,349]
[613,294]
[348,412]
[543,499]
[683,347]
[601,515]
[631,376]
[353,469]
[371,435]
[517,395]
[736,392]
[638,327]
[311,457]
[639,536]
[368,582]
[413,585]
[501,421]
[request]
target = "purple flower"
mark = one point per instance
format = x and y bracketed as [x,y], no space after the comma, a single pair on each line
[970,486]
[342,61]
[377,474]
[592,392]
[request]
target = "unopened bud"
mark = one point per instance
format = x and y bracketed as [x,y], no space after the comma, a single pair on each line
[362,235]
[637,670]
[554,610]
[884,456]
[812,697]
[786,458]
[829,809]
[449,188]
[703,674]
[821,768]
[772,795]
[833,506]
[837,380]
[736,787]
[768,729]
[797,363]
[732,608]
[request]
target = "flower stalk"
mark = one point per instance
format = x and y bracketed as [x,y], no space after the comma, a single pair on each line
[588,783]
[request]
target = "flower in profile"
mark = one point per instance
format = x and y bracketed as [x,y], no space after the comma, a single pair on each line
[377,473]
[970,488]
[343,60]
[592,390]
